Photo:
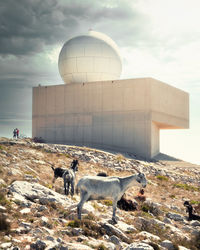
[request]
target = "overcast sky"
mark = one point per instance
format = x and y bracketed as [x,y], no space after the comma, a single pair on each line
[157,38]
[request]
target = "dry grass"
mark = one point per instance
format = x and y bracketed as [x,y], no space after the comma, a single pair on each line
[119,157]
[165,191]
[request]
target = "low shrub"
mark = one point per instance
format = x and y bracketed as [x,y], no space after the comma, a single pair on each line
[119,157]
[74,223]
[49,186]
[155,229]
[3,200]
[150,209]
[186,187]
[192,244]
[90,227]
[90,216]
[162,178]
[38,140]
[194,202]
[4,224]
[101,247]
[108,203]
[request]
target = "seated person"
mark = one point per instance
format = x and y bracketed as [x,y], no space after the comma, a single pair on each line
[140,196]
[189,210]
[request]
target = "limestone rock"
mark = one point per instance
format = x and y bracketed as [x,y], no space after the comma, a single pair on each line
[23,190]
[125,227]
[176,217]
[5,245]
[25,211]
[148,236]
[195,223]
[114,239]
[110,230]
[139,246]
[38,245]
[167,244]
[2,209]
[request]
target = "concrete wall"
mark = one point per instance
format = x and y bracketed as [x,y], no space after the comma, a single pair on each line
[123,115]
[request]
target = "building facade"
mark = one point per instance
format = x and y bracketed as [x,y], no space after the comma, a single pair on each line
[121,115]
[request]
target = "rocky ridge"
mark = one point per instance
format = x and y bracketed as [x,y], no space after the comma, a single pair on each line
[36,216]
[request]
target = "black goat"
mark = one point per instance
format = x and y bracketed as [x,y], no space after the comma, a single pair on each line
[125,204]
[189,210]
[68,176]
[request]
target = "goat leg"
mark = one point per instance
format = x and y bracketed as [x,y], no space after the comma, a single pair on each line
[84,198]
[114,212]
[65,184]
[72,188]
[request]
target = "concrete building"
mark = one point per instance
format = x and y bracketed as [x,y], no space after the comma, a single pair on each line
[94,109]
[122,115]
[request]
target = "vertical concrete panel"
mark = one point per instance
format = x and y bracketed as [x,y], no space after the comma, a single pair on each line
[88,97]
[51,113]
[97,129]
[42,105]
[87,135]
[140,139]
[96,101]
[35,96]
[77,98]
[69,98]
[59,114]
[118,97]
[59,99]
[118,129]
[107,134]
[50,100]
[107,98]
[69,134]
[41,112]
[155,139]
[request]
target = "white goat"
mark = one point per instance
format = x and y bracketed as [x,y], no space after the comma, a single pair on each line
[100,188]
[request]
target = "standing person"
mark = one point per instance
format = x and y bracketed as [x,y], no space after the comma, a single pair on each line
[17,131]
[14,133]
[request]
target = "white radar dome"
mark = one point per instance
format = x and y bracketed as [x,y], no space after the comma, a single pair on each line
[88,58]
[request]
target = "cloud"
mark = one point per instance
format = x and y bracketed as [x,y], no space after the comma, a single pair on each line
[27,26]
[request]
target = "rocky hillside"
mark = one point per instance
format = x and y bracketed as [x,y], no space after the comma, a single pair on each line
[36,215]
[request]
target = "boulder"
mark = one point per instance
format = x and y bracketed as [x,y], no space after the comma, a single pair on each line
[139,246]
[125,227]
[148,236]
[174,216]
[167,244]
[112,230]
[23,191]
[38,245]
[195,223]
[114,239]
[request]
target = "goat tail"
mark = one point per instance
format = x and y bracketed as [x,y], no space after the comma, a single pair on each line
[52,167]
